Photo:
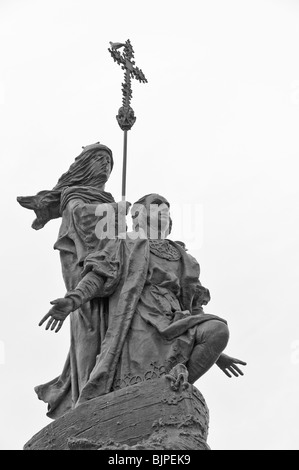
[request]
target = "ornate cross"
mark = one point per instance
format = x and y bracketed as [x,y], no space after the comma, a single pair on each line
[125,116]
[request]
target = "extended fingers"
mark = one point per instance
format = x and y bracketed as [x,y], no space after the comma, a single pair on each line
[50,322]
[238,361]
[232,370]
[237,369]
[54,323]
[59,326]
[227,373]
[44,319]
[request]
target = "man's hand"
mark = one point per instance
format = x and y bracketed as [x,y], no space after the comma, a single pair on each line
[62,308]
[228,365]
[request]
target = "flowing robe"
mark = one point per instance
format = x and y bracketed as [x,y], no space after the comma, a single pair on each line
[76,239]
[139,328]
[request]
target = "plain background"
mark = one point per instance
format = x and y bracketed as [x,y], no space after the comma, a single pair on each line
[216,133]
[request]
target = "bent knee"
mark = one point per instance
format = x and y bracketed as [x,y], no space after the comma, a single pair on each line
[214,330]
[222,332]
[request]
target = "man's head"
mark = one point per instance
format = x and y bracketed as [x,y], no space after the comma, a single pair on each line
[151,214]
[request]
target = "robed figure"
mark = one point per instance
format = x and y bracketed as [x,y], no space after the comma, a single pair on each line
[144,315]
[75,199]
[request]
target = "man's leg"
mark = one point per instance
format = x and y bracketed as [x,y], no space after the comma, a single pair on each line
[211,339]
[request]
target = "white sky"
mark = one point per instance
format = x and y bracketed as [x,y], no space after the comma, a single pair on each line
[216,133]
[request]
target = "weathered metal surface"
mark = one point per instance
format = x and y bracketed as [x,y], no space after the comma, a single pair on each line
[148,415]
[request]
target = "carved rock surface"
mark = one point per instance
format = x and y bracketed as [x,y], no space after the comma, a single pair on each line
[148,415]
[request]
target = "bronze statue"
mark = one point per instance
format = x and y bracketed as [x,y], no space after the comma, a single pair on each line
[148,291]
[138,328]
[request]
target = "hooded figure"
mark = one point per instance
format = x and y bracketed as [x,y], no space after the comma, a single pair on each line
[89,173]
[75,198]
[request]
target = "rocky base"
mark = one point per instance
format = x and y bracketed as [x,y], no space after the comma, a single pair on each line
[150,415]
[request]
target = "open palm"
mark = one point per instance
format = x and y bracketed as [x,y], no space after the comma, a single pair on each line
[57,314]
[228,365]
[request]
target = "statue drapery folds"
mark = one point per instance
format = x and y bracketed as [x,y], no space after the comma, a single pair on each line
[135,301]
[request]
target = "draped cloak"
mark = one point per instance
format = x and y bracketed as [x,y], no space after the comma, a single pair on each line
[144,323]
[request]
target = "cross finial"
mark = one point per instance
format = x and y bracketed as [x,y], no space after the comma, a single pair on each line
[126,117]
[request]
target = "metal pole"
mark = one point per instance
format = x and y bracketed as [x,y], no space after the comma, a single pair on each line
[123,192]
[125,116]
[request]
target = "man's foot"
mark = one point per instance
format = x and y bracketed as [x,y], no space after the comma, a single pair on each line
[177,376]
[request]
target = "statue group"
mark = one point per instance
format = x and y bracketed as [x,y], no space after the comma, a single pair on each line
[134,297]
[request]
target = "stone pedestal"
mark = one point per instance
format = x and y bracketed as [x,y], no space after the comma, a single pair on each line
[148,415]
